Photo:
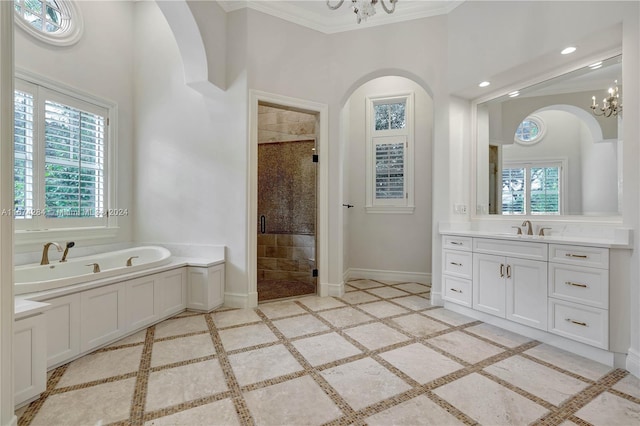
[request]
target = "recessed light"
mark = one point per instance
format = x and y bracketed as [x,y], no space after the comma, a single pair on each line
[484,84]
[514,94]
[568,50]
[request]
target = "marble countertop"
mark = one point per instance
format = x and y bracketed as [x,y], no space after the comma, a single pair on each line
[617,240]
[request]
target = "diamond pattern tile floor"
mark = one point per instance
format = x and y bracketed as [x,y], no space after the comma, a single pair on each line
[382,354]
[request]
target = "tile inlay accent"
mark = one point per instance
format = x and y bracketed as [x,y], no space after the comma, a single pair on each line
[382,354]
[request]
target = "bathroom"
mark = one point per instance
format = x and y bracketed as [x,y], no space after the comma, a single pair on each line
[202,190]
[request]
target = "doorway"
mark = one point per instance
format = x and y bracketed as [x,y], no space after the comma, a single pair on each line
[287,202]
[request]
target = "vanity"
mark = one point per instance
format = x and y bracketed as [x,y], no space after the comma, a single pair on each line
[568,291]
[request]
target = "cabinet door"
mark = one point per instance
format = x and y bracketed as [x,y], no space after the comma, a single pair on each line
[62,324]
[29,365]
[489,274]
[527,292]
[172,292]
[142,309]
[102,315]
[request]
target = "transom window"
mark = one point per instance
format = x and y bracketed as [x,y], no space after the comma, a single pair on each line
[389,154]
[60,159]
[53,21]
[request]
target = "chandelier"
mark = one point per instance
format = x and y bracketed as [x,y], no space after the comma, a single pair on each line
[610,104]
[365,8]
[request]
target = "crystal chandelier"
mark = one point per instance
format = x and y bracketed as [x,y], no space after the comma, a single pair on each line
[610,104]
[365,8]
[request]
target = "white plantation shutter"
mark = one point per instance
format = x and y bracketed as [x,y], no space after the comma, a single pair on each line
[390,166]
[60,159]
[23,149]
[532,188]
[389,150]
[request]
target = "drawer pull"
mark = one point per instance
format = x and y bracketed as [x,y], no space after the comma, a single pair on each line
[501,270]
[584,324]
[456,290]
[576,284]
[508,271]
[456,243]
[579,256]
[456,263]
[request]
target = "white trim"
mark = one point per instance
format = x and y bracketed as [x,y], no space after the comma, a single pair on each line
[331,290]
[377,274]
[67,37]
[240,300]
[322,149]
[633,362]
[7,416]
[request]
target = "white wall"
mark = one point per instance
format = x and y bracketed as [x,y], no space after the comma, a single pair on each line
[390,242]
[190,155]
[100,64]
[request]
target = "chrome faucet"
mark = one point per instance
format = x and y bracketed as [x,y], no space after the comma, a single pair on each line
[527,223]
[66,251]
[45,252]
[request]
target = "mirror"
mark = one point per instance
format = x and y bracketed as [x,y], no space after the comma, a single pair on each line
[541,150]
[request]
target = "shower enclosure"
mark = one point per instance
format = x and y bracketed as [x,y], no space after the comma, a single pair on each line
[286,219]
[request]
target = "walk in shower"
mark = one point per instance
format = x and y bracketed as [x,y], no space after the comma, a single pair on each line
[286,204]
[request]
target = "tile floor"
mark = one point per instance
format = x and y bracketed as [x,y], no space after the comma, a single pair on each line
[379,355]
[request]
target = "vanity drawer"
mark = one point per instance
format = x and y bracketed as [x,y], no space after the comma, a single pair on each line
[582,323]
[521,249]
[458,263]
[595,257]
[589,286]
[456,243]
[457,290]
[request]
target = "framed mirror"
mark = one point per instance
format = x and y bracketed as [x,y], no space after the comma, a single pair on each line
[549,150]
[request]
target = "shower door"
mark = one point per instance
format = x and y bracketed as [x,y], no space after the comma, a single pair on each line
[286,219]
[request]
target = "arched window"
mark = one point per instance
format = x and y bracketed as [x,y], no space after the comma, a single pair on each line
[56,22]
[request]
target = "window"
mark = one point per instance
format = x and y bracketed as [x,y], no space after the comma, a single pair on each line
[60,159]
[389,154]
[532,188]
[56,22]
[530,131]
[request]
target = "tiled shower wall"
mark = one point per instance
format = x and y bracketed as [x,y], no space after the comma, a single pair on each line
[285,257]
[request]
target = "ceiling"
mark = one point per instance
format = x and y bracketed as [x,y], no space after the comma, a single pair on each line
[316,15]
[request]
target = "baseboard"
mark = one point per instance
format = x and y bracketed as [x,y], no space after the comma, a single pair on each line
[332,290]
[241,300]
[13,422]
[436,298]
[633,362]
[376,274]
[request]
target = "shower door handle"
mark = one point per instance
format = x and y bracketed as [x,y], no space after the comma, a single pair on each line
[263,224]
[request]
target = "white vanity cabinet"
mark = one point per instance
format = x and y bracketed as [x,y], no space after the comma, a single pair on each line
[561,289]
[62,324]
[579,293]
[457,268]
[508,286]
[29,360]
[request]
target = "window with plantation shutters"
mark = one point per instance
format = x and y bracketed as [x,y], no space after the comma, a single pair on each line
[533,188]
[389,174]
[60,159]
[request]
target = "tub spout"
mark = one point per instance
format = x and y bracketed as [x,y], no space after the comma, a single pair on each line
[66,251]
[45,252]
[129,260]
[96,267]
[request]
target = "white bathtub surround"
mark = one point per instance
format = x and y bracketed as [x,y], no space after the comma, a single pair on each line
[35,277]
[62,322]
[79,250]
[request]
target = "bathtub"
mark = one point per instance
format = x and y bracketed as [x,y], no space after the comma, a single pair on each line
[36,277]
